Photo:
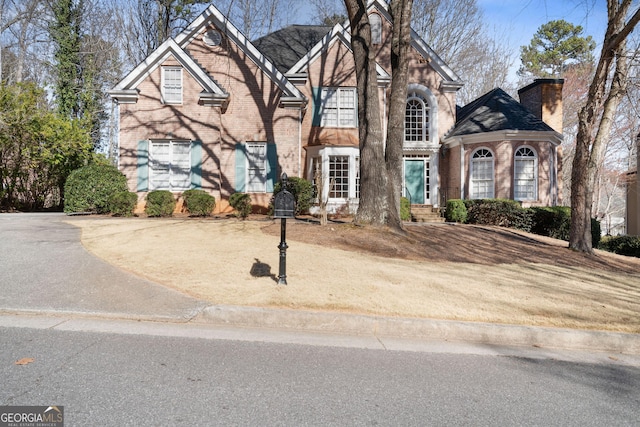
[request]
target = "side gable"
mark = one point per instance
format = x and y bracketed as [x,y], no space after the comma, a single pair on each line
[126,92]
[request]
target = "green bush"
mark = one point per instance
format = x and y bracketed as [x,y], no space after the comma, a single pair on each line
[302,191]
[160,203]
[552,221]
[456,211]
[88,189]
[405,209]
[198,202]
[499,212]
[622,245]
[241,202]
[123,203]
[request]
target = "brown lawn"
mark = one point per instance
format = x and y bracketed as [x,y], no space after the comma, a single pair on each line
[440,271]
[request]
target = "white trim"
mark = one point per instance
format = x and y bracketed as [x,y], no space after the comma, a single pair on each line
[552,137]
[157,58]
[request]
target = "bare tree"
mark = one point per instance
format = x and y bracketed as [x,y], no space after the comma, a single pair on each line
[256,18]
[596,117]
[456,31]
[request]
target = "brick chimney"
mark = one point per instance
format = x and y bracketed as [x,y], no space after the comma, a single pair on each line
[543,98]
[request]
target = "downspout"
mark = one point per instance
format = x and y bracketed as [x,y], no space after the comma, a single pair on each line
[462,174]
[300,143]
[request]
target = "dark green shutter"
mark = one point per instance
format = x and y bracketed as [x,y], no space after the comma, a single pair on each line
[196,164]
[317,106]
[143,166]
[241,167]
[272,166]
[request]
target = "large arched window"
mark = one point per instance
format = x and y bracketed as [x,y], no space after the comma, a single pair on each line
[482,177]
[416,119]
[525,174]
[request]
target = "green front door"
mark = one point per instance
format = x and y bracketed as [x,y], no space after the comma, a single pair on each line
[414,180]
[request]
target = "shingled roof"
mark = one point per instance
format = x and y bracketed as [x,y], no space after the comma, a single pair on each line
[496,111]
[285,47]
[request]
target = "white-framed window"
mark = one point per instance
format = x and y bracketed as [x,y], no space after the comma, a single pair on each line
[338,107]
[419,119]
[338,177]
[482,176]
[172,85]
[525,174]
[357,177]
[170,165]
[256,167]
[376,28]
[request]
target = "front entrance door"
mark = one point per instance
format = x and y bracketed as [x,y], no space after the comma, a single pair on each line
[414,180]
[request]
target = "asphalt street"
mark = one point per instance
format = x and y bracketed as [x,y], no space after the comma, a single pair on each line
[129,379]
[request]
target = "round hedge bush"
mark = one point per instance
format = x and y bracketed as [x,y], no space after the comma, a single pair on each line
[89,188]
[198,202]
[241,202]
[123,203]
[160,203]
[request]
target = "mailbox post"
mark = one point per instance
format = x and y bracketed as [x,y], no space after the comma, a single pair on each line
[284,207]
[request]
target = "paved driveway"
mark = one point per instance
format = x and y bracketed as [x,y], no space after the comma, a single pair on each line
[44,268]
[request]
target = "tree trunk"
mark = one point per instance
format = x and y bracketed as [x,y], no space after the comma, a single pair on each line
[374,198]
[602,102]
[400,47]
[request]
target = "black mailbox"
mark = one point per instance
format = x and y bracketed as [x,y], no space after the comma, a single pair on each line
[284,205]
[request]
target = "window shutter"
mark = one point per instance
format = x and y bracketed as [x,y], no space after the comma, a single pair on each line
[317,105]
[143,166]
[272,166]
[241,162]
[196,164]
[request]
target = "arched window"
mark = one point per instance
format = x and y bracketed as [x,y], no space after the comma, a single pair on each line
[376,28]
[482,179]
[416,119]
[525,174]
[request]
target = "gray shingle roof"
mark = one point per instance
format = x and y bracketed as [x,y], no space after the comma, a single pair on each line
[287,46]
[496,111]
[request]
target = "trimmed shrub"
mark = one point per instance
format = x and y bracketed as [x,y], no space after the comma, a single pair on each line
[302,191]
[622,245]
[123,203]
[552,221]
[405,209]
[198,202]
[499,212]
[160,203]
[456,211]
[88,189]
[241,202]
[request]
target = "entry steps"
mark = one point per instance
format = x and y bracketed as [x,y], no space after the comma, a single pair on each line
[425,213]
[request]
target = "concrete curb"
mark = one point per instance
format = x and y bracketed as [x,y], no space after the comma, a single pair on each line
[480,333]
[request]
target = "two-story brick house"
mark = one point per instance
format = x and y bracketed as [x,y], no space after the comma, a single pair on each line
[213,110]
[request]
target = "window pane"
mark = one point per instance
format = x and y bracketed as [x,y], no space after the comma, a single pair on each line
[339,107]
[339,177]
[482,175]
[180,165]
[172,85]
[256,168]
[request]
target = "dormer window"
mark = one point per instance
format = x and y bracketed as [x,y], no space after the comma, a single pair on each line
[376,28]
[172,85]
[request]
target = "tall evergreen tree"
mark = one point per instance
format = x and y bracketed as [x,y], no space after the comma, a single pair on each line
[553,47]
[65,33]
